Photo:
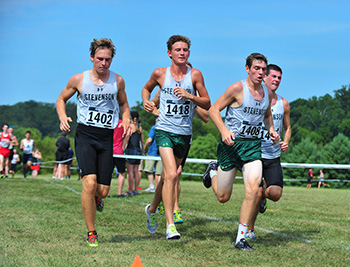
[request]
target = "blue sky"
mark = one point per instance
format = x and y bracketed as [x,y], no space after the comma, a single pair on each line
[43,43]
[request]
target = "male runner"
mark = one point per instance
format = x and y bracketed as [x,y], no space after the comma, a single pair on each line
[204,116]
[248,106]
[178,84]
[100,94]
[272,170]
[28,146]
[5,142]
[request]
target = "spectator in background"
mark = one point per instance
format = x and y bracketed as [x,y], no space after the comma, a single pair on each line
[63,145]
[310,176]
[135,146]
[150,164]
[69,163]
[119,163]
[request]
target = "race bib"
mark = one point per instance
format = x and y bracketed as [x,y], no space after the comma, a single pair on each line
[265,135]
[5,144]
[249,130]
[177,108]
[100,118]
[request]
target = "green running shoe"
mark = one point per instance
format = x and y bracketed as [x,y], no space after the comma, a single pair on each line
[178,217]
[160,208]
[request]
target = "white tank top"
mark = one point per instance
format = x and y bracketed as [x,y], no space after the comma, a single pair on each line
[14,159]
[97,104]
[28,146]
[176,114]
[246,120]
[268,148]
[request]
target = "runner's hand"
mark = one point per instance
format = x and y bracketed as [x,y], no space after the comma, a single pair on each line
[180,92]
[275,137]
[126,127]
[64,125]
[149,106]
[284,146]
[228,137]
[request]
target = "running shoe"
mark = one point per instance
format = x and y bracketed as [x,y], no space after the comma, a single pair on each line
[178,217]
[151,220]
[99,203]
[172,233]
[92,240]
[160,208]
[135,193]
[263,205]
[250,235]
[206,177]
[150,188]
[243,245]
[120,196]
[128,194]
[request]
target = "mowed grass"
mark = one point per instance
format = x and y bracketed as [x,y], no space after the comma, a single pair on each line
[42,225]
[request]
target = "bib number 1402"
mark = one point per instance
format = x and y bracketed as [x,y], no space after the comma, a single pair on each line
[100,118]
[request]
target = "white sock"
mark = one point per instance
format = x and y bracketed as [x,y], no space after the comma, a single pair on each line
[212,173]
[242,230]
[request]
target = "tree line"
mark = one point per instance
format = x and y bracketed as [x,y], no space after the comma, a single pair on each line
[320,131]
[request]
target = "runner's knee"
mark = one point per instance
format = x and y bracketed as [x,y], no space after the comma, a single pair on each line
[223,198]
[274,193]
[89,185]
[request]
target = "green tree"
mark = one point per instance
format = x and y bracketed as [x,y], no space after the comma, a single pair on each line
[337,152]
[307,151]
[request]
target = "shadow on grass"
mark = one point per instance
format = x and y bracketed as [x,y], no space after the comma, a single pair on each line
[277,238]
[192,229]
[133,238]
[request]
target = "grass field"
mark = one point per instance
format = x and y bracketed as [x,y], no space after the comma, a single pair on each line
[42,225]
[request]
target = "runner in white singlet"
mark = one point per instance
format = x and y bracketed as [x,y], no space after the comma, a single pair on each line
[178,98]
[272,170]
[248,106]
[101,93]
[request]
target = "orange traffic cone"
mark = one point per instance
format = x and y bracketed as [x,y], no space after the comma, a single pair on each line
[137,261]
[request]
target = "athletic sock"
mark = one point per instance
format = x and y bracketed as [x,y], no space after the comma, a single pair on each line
[212,173]
[242,230]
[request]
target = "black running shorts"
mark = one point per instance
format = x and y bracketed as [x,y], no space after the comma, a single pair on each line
[272,172]
[94,151]
[120,164]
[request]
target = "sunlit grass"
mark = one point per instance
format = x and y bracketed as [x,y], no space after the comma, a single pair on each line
[42,225]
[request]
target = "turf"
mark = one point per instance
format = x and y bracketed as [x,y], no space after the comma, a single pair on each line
[42,225]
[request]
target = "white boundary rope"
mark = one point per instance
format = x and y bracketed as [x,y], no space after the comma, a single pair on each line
[284,165]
